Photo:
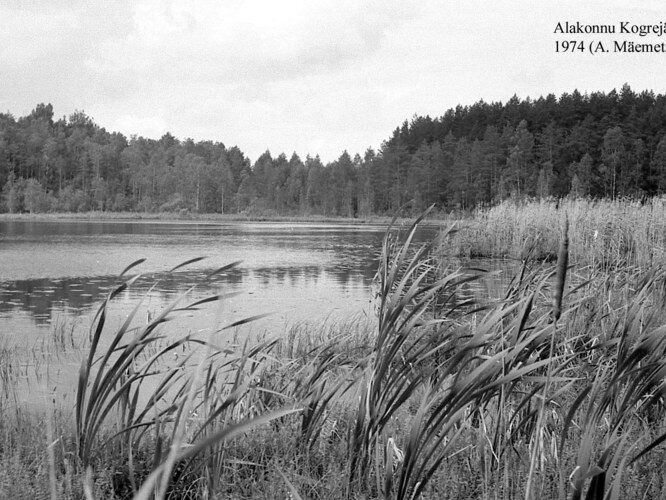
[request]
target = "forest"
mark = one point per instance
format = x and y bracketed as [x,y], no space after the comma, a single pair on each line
[598,145]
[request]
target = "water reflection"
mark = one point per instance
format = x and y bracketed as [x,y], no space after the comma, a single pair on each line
[55,273]
[36,250]
[40,297]
[54,269]
[65,269]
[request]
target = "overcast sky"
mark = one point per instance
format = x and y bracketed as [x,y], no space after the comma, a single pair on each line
[308,76]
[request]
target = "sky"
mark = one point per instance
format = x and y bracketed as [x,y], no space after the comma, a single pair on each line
[311,77]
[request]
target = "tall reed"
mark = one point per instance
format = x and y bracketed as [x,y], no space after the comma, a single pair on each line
[441,397]
[154,394]
[457,375]
[605,234]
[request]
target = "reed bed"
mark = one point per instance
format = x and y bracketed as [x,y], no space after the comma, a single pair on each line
[557,390]
[603,233]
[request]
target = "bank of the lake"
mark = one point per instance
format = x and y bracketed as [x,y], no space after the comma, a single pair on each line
[217,217]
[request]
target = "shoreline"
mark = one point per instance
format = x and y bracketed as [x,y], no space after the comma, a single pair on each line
[207,218]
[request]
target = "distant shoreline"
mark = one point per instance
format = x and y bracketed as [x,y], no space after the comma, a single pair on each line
[189,217]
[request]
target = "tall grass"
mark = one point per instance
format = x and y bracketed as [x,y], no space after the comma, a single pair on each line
[519,369]
[605,234]
[150,397]
[556,390]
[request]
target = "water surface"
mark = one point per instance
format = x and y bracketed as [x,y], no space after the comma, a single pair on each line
[53,270]
[55,274]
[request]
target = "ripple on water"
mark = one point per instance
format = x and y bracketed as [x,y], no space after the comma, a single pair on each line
[300,272]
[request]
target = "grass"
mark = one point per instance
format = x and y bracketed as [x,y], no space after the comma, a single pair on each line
[556,390]
[603,233]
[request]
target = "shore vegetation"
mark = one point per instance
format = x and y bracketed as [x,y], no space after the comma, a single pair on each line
[555,390]
[602,233]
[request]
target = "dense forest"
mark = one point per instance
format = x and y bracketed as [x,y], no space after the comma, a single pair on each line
[598,145]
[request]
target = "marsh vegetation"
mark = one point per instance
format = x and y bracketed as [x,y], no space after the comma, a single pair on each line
[555,390]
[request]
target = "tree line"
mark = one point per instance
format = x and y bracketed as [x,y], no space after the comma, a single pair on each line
[598,145]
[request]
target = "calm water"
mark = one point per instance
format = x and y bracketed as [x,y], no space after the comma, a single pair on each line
[55,273]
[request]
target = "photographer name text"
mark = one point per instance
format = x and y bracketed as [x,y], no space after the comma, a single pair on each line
[626,37]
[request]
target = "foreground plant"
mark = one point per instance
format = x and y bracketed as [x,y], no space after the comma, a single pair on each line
[149,395]
[555,390]
[456,374]
[510,380]
[620,410]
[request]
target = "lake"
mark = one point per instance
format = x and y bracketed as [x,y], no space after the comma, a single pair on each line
[54,275]
[55,271]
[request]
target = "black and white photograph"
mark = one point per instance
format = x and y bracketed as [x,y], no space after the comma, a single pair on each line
[305,249]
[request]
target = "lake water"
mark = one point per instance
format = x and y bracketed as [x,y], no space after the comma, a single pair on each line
[50,271]
[55,274]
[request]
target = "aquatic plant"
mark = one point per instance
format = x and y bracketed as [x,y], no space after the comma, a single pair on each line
[116,381]
[605,234]
[555,390]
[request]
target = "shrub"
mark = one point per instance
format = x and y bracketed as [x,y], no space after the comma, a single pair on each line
[35,198]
